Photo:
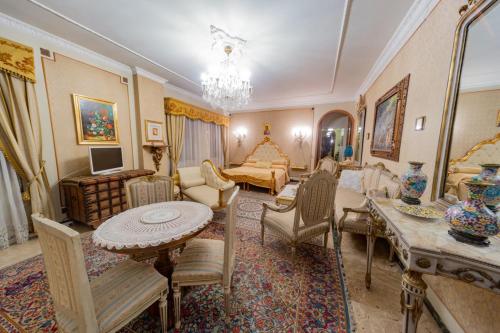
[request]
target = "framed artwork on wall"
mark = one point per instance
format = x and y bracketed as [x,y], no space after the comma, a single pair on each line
[96,121]
[389,120]
[154,131]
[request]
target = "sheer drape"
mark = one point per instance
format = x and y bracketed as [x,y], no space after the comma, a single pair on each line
[175,138]
[13,221]
[201,141]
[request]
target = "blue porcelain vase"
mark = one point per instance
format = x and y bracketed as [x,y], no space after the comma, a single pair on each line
[470,220]
[491,196]
[414,182]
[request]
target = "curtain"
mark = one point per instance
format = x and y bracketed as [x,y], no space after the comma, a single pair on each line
[20,139]
[175,138]
[13,221]
[225,144]
[202,141]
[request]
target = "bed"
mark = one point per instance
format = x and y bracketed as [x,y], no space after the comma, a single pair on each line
[462,169]
[267,166]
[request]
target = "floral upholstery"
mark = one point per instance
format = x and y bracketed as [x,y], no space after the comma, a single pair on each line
[149,189]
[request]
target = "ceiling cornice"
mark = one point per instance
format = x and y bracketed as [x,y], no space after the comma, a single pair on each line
[112,41]
[289,103]
[149,75]
[415,16]
[343,31]
[480,82]
[43,37]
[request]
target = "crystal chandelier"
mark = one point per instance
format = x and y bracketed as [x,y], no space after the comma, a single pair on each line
[225,85]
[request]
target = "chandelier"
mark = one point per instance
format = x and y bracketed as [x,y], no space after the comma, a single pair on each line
[224,84]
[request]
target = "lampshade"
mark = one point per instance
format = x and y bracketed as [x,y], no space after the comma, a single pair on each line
[348,151]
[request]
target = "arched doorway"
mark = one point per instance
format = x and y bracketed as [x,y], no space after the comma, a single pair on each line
[334,134]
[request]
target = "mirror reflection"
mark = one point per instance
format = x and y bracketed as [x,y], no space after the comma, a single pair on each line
[475,135]
[335,136]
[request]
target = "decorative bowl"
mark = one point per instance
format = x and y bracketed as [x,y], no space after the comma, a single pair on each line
[426,212]
[160,215]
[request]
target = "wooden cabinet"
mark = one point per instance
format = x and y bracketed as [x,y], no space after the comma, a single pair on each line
[94,199]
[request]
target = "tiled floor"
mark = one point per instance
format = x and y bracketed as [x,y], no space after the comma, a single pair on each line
[375,311]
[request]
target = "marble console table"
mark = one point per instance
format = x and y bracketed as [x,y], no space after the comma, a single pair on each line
[424,247]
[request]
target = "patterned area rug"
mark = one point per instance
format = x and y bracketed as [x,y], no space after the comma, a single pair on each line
[270,293]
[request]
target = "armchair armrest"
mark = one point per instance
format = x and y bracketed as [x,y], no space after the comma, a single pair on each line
[277,209]
[359,210]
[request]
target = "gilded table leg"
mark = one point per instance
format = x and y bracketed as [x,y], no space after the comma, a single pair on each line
[165,266]
[412,299]
[370,245]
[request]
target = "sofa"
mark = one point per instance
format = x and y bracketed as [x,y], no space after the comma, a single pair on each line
[353,191]
[204,184]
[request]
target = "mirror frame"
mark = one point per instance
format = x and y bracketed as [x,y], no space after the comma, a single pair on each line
[361,122]
[469,13]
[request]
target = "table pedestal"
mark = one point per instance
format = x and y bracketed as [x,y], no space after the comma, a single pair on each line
[165,266]
[412,299]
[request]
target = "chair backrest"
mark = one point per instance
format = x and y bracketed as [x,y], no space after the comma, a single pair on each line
[315,200]
[371,176]
[229,236]
[190,176]
[327,163]
[390,184]
[68,280]
[148,190]
[212,176]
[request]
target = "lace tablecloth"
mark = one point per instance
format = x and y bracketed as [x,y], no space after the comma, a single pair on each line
[126,230]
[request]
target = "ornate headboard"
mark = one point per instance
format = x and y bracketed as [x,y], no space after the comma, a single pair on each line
[486,151]
[267,151]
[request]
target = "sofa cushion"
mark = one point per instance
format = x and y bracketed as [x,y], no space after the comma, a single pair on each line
[390,184]
[370,178]
[263,164]
[347,198]
[283,223]
[204,194]
[190,176]
[351,179]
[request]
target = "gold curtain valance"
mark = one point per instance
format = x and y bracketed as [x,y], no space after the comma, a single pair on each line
[180,108]
[17,59]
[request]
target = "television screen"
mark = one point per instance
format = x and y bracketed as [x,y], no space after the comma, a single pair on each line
[105,159]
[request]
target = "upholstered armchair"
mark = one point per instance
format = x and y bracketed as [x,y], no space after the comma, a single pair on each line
[355,187]
[327,163]
[208,261]
[108,302]
[204,184]
[308,216]
[148,190]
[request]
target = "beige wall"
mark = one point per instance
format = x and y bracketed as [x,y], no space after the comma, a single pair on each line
[426,56]
[149,106]
[475,120]
[65,76]
[282,122]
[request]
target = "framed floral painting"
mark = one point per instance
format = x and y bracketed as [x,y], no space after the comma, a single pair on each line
[389,120]
[96,121]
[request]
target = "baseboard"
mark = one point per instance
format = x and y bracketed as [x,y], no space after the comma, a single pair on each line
[443,317]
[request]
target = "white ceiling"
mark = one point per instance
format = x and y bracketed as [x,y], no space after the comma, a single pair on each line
[291,51]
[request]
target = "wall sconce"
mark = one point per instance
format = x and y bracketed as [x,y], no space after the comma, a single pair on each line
[240,133]
[301,133]
[420,124]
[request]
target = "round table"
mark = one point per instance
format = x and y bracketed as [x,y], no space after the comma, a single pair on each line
[129,233]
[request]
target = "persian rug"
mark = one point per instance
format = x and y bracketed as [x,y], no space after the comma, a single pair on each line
[270,293]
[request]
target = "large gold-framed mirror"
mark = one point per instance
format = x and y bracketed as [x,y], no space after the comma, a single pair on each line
[470,129]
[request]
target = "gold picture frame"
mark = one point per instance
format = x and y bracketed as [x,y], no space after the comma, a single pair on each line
[96,121]
[150,126]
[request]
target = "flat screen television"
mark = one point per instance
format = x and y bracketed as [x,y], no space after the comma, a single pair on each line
[105,160]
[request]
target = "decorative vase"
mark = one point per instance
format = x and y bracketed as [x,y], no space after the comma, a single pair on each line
[491,196]
[470,220]
[414,182]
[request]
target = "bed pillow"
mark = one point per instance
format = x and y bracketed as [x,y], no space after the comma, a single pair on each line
[263,164]
[279,162]
[252,160]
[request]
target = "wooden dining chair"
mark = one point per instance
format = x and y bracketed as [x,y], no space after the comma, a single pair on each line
[108,302]
[148,190]
[207,261]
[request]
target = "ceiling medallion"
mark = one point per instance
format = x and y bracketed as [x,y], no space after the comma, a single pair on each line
[225,85]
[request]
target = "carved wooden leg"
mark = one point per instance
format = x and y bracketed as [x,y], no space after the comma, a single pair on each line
[177,305]
[165,266]
[227,301]
[370,245]
[412,299]
[164,312]
[262,234]
[325,241]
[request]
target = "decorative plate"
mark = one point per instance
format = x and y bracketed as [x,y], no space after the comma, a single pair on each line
[425,212]
[160,215]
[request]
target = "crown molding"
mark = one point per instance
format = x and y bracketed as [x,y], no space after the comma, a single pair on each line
[415,16]
[60,45]
[480,82]
[340,46]
[289,103]
[149,75]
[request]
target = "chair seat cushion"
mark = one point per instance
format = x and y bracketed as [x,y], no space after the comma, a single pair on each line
[204,194]
[123,290]
[202,260]
[283,224]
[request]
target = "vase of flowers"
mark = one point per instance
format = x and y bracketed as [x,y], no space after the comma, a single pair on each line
[491,196]
[413,183]
[471,221]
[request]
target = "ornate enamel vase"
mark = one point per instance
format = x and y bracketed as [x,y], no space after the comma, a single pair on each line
[414,182]
[470,220]
[491,196]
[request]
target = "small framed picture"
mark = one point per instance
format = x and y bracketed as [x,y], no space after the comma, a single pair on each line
[154,131]
[420,123]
